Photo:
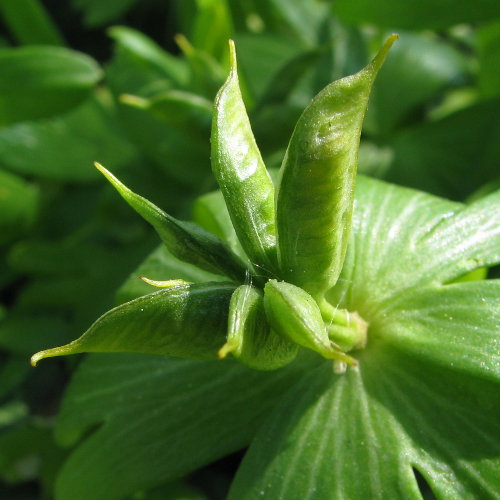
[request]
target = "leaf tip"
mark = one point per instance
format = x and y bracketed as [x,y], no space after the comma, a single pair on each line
[225,350]
[232,56]
[379,59]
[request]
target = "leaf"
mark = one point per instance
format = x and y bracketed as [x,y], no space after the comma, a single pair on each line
[402,239]
[312,223]
[188,112]
[148,55]
[425,14]
[30,23]
[185,240]
[63,148]
[210,212]
[302,16]
[249,337]
[488,49]
[168,417]
[96,13]
[242,175]
[187,321]
[389,417]
[19,202]
[451,157]
[455,326]
[38,82]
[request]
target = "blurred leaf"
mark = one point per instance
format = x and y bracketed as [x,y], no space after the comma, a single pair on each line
[38,82]
[189,112]
[28,452]
[13,371]
[422,14]
[488,48]
[206,73]
[168,417]
[451,157]
[184,158]
[30,23]
[146,55]
[97,13]
[25,332]
[417,68]
[211,26]
[64,148]
[303,16]
[286,78]
[260,56]
[18,206]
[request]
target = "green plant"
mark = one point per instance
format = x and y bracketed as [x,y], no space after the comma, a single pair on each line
[384,290]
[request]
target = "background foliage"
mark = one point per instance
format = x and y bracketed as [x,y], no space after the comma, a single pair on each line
[130,83]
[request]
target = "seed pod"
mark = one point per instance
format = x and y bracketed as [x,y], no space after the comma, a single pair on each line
[316,190]
[188,321]
[249,337]
[184,240]
[293,313]
[242,176]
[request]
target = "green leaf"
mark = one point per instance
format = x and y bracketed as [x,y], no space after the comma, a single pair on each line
[249,337]
[63,148]
[210,212]
[186,111]
[211,26]
[488,49]
[18,206]
[389,417]
[315,196]
[185,240]
[38,82]
[30,23]
[405,239]
[184,321]
[167,417]
[98,13]
[455,326]
[242,175]
[148,55]
[450,157]
[424,14]
[303,16]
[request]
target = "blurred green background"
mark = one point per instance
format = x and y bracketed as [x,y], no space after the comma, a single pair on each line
[130,83]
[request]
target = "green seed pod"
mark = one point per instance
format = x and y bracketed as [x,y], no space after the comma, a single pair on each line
[293,313]
[316,190]
[249,338]
[188,321]
[242,176]
[184,240]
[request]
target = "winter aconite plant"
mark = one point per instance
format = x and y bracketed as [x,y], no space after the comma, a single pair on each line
[361,297]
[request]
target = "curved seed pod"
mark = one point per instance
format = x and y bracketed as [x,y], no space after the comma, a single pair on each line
[249,337]
[316,190]
[293,313]
[184,240]
[188,321]
[241,174]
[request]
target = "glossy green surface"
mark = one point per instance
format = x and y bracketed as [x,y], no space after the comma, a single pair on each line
[316,190]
